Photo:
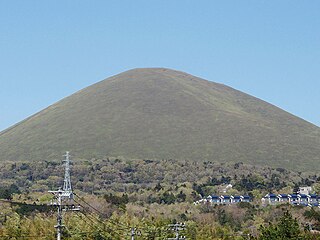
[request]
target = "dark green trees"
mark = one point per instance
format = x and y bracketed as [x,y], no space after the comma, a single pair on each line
[286,228]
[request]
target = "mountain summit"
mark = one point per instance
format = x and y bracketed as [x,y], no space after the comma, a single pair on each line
[160,113]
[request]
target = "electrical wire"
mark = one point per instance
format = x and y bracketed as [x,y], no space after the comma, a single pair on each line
[26,236]
[96,226]
[92,225]
[97,219]
[100,213]
[144,230]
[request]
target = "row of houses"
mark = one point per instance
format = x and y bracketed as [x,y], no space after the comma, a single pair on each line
[224,199]
[312,200]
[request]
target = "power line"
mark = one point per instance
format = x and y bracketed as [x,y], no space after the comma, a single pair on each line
[106,229]
[66,194]
[92,224]
[25,236]
[63,194]
[100,213]
[104,224]
[120,226]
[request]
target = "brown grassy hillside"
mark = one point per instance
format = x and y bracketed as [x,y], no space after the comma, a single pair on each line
[165,114]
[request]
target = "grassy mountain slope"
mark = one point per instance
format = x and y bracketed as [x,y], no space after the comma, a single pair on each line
[161,114]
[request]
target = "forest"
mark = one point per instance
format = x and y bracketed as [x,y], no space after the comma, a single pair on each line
[119,196]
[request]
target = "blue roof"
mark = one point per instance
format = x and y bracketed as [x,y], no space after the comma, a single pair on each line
[283,195]
[293,195]
[313,195]
[225,197]
[236,197]
[302,196]
[214,196]
[271,195]
[246,196]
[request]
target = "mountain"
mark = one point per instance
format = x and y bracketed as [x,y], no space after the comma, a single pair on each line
[157,113]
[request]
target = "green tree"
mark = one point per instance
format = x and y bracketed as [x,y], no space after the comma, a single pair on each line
[286,228]
[5,194]
[158,187]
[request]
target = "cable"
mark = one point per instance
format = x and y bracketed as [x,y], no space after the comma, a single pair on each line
[91,225]
[120,226]
[96,226]
[108,220]
[25,236]
[97,219]
[124,227]
[105,226]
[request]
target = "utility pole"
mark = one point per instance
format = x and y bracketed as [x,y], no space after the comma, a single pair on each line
[134,232]
[58,195]
[177,228]
[62,194]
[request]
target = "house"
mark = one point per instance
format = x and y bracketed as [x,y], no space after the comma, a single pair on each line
[245,198]
[208,199]
[271,198]
[215,199]
[305,190]
[293,199]
[226,188]
[225,199]
[283,198]
[235,199]
[303,199]
[312,198]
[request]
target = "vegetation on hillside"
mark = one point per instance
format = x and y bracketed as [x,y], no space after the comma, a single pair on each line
[149,195]
[151,221]
[165,114]
[152,180]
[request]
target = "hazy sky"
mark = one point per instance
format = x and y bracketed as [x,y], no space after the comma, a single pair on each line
[50,49]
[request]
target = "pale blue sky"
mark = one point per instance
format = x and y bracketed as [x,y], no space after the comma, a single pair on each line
[50,49]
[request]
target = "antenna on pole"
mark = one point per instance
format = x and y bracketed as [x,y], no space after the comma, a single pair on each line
[62,194]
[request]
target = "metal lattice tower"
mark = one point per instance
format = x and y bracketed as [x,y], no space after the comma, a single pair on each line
[67,187]
[64,197]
